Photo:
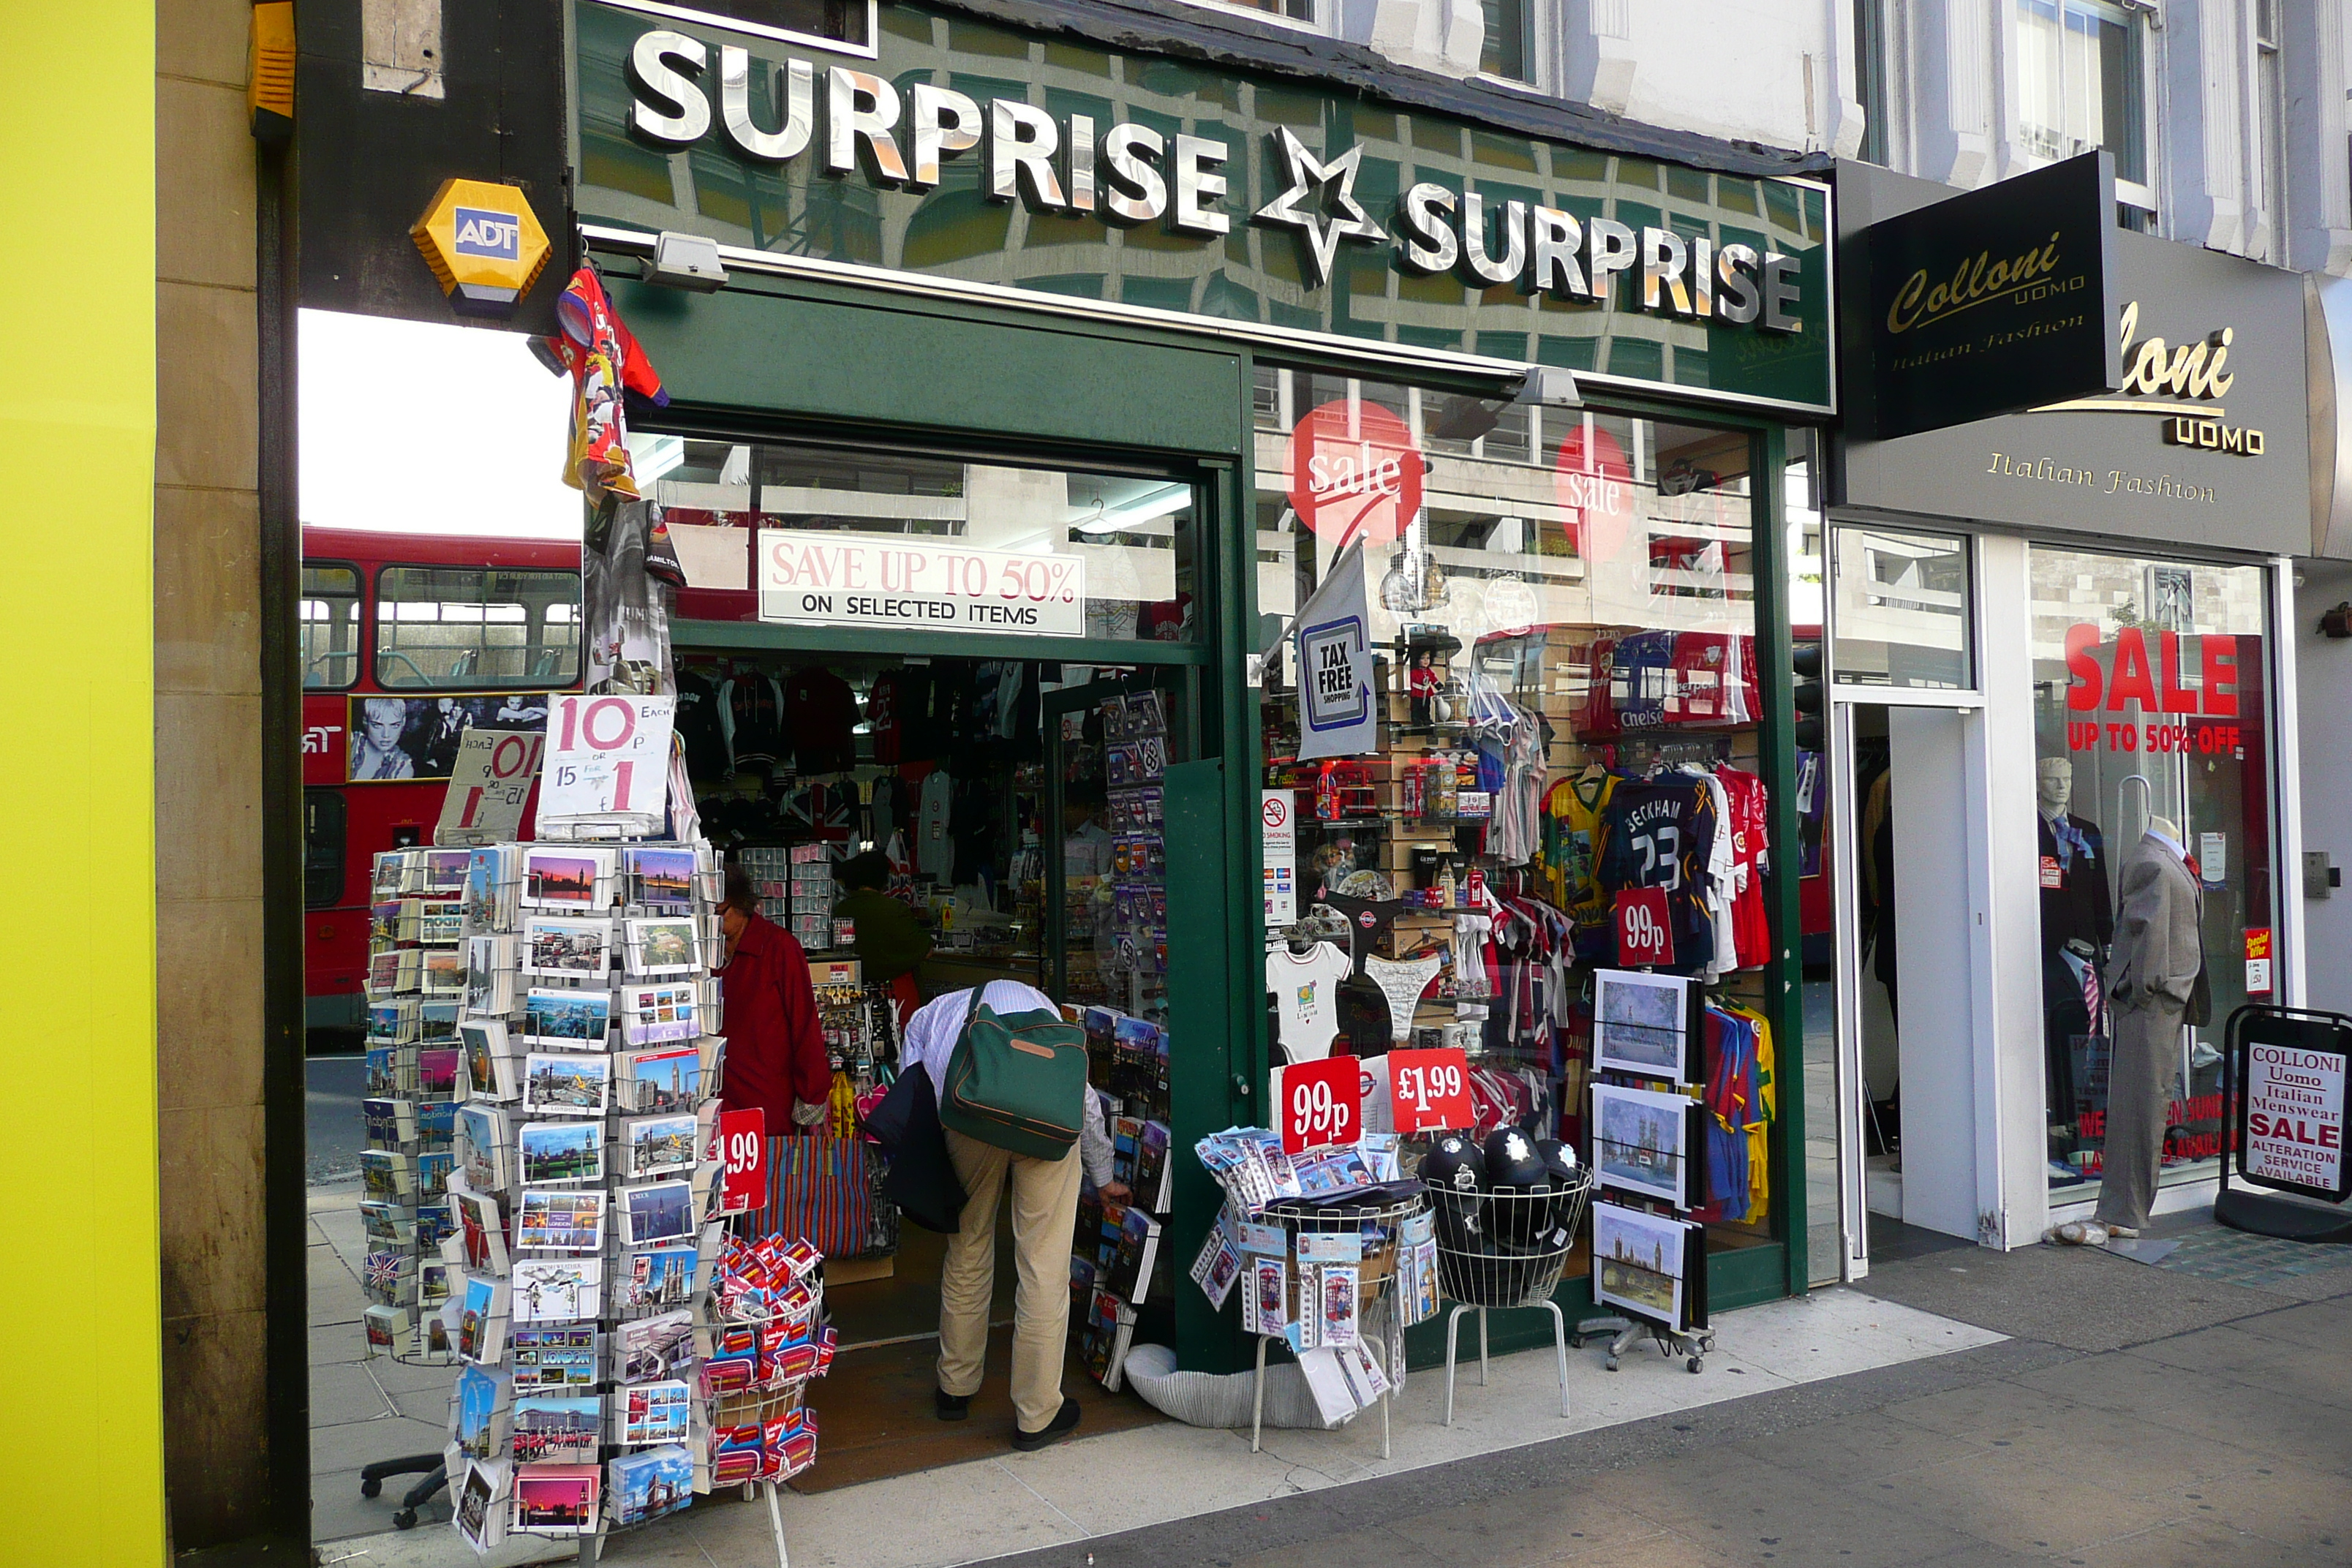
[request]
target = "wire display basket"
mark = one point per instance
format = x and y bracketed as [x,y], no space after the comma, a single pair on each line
[1507,1247]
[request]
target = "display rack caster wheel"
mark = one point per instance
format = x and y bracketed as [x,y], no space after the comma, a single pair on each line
[371,1487]
[1611,1363]
[405,1519]
[1693,1363]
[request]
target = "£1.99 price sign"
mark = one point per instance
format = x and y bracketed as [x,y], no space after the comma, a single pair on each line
[606,754]
[1318,1103]
[1645,933]
[1431,1090]
[739,1144]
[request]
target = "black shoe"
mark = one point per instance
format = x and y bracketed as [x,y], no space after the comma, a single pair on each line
[951,1406]
[1061,1426]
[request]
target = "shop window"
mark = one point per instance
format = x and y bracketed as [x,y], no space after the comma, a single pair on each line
[1902,609]
[2081,83]
[1561,608]
[2149,713]
[461,628]
[322,848]
[1129,537]
[331,626]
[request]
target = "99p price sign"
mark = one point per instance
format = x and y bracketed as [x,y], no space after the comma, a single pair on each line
[1645,933]
[740,1146]
[1431,1090]
[1318,1102]
[606,754]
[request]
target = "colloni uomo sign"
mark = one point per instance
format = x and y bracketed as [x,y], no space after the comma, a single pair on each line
[970,150]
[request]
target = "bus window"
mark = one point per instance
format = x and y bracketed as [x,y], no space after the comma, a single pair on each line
[322,848]
[331,626]
[470,627]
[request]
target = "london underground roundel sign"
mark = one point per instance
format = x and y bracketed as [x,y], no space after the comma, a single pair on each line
[1354,473]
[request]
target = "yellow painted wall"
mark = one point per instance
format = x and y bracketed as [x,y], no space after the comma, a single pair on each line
[79,1293]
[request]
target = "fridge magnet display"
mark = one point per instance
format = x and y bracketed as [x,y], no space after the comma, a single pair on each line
[557,1289]
[655,1413]
[659,878]
[1642,1141]
[652,1013]
[1638,1263]
[648,1485]
[658,1277]
[567,1020]
[561,1152]
[556,1499]
[567,879]
[662,947]
[658,1145]
[566,1085]
[555,946]
[554,1220]
[1640,1023]
[557,1428]
[660,1212]
[552,1358]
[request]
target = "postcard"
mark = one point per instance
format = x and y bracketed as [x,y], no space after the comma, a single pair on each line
[489,1066]
[566,1084]
[387,1224]
[432,1175]
[660,878]
[557,1289]
[490,890]
[557,1428]
[483,1230]
[658,1277]
[392,1022]
[482,1312]
[662,947]
[567,1020]
[440,922]
[567,877]
[652,1483]
[388,1329]
[552,1151]
[660,1212]
[480,1399]
[490,974]
[437,1019]
[552,1220]
[391,873]
[553,945]
[652,1349]
[387,1175]
[1637,1262]
[1268,1309]
[386,1071]
[444,970]
[650,1014]
[432,1282]
[1336,1291]
[1638,1142]
[658,1145]
[388,1123]
[1640,1023]
[554,1358]
[556,1499]
[391,970]
[482,1503]
[444,870]
[664,1079]
[655,1411]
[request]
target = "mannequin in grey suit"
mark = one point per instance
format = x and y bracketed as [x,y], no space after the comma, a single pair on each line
[2155,982]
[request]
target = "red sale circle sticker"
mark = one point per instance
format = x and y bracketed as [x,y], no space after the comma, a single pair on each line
[1596,490]
[1354,473]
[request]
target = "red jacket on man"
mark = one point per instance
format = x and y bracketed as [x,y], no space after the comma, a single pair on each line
[775,1051]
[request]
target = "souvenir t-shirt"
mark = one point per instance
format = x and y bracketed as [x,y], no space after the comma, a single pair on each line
[1661,833]
[1306,989]
[751,709]
[1572,834]
[821,719]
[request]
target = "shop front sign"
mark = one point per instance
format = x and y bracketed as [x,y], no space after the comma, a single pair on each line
[1990,302]
[1179,187]
[898,583]
[2201,437]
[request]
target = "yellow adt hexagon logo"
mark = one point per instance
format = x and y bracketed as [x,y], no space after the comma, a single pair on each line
[483,242]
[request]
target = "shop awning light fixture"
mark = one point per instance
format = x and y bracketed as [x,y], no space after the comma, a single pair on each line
[684,261]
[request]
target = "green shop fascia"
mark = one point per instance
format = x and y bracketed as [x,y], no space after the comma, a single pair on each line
[999,230]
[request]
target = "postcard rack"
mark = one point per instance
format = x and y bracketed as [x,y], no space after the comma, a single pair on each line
[551,1162]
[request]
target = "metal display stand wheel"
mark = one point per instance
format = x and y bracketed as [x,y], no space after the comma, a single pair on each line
[429,1465]
[1376,1288]
[1505,1249]
[1694,1345]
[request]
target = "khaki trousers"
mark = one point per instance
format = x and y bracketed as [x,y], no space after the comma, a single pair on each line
[1044,1209]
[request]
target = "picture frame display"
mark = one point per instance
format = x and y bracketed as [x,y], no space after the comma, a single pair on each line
[1642,1024]
[1643,1142]
[1648,1264]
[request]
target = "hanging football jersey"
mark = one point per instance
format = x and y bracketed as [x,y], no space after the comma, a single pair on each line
[1661,833]
[1641,680]
[1713,678]
[1571,833]
[1598,720]
[1750,826]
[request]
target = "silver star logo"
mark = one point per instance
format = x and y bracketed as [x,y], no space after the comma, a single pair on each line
[1316,190]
